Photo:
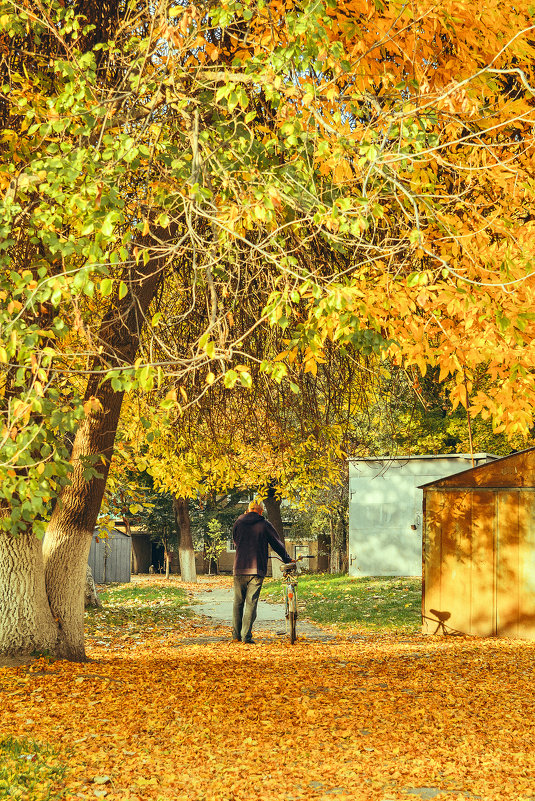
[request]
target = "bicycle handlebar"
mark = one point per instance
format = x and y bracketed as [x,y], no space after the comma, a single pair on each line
[294,561]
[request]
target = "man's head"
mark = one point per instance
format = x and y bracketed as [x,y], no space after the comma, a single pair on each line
[256,506]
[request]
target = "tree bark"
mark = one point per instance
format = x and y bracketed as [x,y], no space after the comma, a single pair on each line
[26,623]
[69,533]
[186,553]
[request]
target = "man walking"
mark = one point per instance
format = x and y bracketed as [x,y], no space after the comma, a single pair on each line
[252,534]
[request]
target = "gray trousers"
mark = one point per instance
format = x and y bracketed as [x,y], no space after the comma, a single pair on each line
[246,595]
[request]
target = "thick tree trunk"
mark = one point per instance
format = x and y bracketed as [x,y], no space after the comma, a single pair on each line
[90,595]
[186,553]
[26,623]
[69,533]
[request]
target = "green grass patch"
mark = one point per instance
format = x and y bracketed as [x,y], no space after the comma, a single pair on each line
[134,607]
[382,603]
[29,771]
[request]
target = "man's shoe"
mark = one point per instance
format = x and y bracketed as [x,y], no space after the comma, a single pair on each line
[249,642]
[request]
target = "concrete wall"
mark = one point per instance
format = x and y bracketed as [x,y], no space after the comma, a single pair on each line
[385,510]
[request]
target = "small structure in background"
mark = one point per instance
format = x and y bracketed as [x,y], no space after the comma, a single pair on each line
[385,509]
[479,550]
[110,556]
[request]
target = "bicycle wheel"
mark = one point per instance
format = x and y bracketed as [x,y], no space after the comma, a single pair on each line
[292,621]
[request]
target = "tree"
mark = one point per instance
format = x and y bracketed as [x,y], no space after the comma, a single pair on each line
[186,551]
[193,153]
[215,543]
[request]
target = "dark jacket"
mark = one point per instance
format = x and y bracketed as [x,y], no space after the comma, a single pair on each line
[252,534]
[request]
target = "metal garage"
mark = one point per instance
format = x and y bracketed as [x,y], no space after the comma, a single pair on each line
[385,510]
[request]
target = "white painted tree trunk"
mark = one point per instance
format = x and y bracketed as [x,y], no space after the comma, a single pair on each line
[186,553]
[26,623]
[188,571]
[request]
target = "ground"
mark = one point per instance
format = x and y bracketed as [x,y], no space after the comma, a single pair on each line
[168,708]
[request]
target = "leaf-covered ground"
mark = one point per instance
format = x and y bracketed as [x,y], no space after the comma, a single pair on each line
[169,708]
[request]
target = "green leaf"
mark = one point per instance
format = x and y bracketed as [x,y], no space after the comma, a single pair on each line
[106,286]
[123,289]
[230,378]
[232,101]
[107,225]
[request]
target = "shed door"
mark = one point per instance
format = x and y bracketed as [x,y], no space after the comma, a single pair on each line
[459,562]
[479,565]
[515,593]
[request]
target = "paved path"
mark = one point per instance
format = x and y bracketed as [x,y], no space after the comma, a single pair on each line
[217,605]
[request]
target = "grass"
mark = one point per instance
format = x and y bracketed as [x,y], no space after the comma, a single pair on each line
[134,607]
[382,603]
[29,771]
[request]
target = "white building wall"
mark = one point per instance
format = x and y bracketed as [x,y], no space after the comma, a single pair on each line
[385,510]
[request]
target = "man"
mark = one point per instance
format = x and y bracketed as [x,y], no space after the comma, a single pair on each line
[252,534]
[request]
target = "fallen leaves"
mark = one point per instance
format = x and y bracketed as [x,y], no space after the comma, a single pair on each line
[380,717]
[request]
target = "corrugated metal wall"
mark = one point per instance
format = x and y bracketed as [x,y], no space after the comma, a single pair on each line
[385,510]
[109,558]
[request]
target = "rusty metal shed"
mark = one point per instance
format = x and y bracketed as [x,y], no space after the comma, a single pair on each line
[479,550]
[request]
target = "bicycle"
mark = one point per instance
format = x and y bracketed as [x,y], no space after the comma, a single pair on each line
[289,577]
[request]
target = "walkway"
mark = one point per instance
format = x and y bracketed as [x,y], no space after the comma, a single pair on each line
[216,604]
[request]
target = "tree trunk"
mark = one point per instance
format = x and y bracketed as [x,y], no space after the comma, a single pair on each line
[69,533]
[167,560]
[90,596]
[135,556]
[335,553]
[26,623]
[186,553]
[324,549]
[134,568]
[273,508]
